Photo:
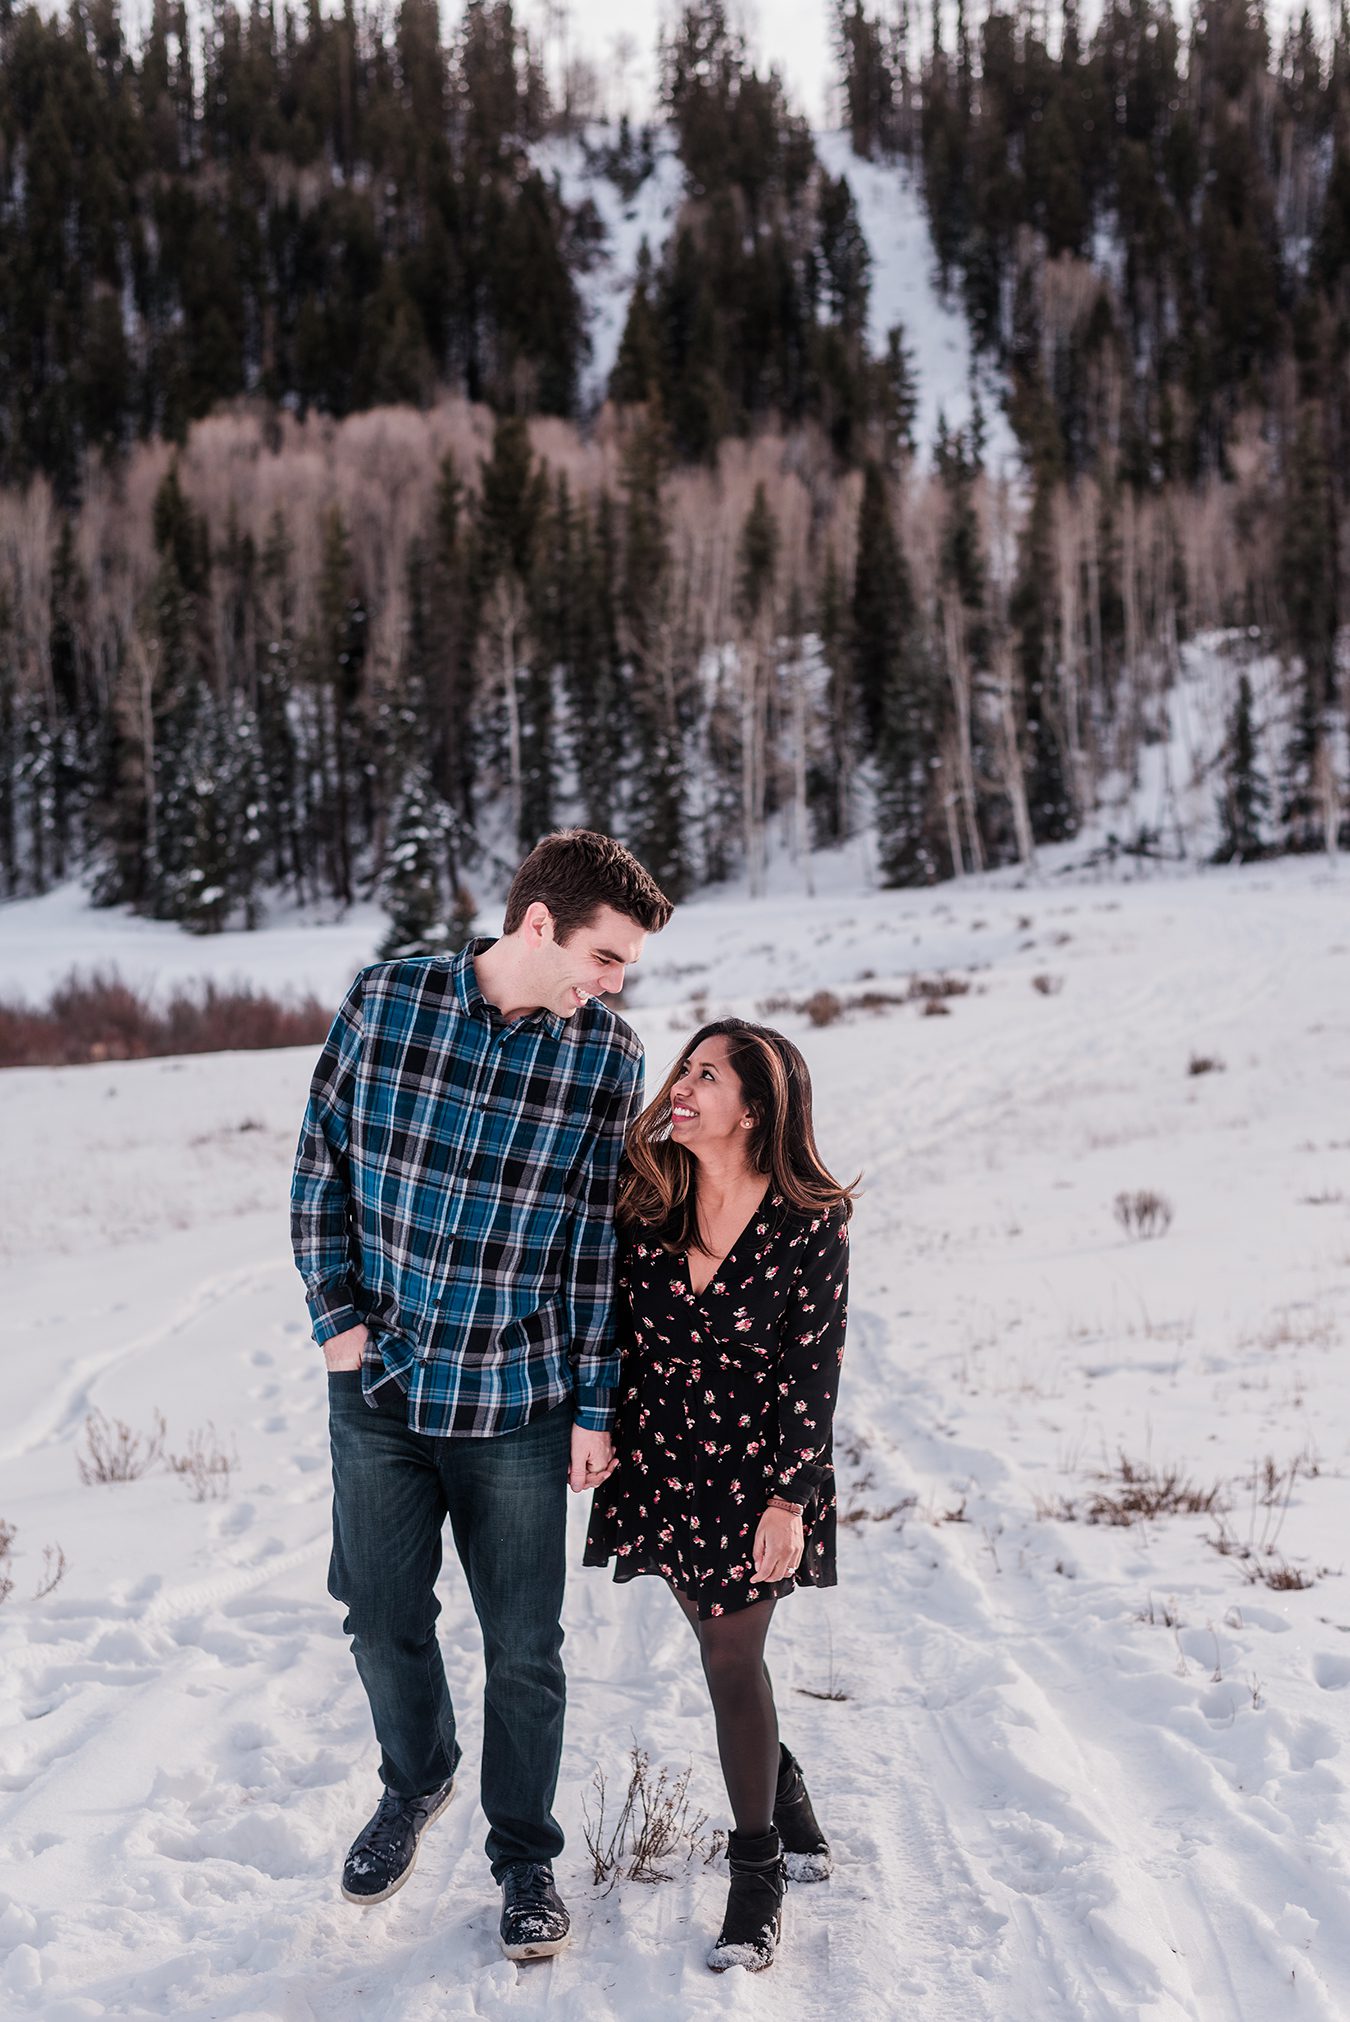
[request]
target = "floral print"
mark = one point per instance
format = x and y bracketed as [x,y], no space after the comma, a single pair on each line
[726,1398]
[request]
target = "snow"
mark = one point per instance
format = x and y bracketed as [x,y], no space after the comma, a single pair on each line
[1076,1772]
[905,290]
[608,285]
[904,280]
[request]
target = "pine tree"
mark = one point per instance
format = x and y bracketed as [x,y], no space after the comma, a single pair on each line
[1245,797]
[883,607]
[1311,589]
[335,658]
[897,396]
[653,648]
[424,919]
[217,877]
[1050,797]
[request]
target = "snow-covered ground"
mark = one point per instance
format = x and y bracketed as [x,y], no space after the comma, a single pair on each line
[1076,1772]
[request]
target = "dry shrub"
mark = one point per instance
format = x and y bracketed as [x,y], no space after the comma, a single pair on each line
[98,1015]
[115,1452]
[1135,1492]
[929,989]
[933,1007]
[1168,1615]
[1204,1063]
[53,1566]
[655,1824]
[1143,1213]
[54,1570]
[1139,1491]
[823,1008]
[1048,986]
[205,1465]
[1280,1576]
[1271,1491]
[832,1689]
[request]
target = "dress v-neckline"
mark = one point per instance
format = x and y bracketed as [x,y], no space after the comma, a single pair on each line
[696,1293]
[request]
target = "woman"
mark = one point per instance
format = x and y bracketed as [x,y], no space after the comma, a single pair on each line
[733,1273]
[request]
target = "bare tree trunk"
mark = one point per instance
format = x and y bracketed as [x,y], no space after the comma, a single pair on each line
[1014,774]
[1134,671]
[143,660]
[801,821]
[1067,518]
[751,660]
[958,675]
[1327,790]
[951,794]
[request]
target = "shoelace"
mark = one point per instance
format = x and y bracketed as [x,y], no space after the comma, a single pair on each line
[529,1887]
[386,1826]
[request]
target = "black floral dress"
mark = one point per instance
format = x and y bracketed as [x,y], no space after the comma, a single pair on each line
[727,1398]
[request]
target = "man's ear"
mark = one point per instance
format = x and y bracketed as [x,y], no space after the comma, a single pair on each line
[538,923]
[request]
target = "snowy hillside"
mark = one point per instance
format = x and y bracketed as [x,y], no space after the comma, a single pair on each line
[904,283]
[1076,1770]
[905,291]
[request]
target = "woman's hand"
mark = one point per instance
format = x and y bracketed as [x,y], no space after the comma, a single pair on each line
[593,1459]
[779,1543]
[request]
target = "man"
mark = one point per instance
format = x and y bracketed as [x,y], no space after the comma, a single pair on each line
[452,1217]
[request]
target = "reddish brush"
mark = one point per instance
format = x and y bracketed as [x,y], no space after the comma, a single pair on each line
[99,1016]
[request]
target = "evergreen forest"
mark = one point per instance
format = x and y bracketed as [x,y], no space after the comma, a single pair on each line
[321,575]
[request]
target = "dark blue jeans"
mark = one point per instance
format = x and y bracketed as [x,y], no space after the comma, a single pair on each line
[506,1499]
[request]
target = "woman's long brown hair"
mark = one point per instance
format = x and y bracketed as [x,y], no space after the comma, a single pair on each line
[659,1187]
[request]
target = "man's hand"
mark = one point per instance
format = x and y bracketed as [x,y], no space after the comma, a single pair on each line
[345,1351]
[593,1459]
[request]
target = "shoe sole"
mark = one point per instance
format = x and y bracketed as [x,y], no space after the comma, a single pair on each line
[362,1902]
[537,1948]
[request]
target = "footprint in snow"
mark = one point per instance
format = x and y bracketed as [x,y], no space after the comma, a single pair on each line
[1331,1672]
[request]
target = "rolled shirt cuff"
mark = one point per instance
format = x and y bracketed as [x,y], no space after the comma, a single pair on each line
[593,1410]
[331,1312]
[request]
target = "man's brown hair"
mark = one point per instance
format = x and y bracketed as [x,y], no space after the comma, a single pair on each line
[575,872]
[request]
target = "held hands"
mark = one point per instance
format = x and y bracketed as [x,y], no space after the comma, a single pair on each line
[593,1460]
[779,1543]
[344,1351]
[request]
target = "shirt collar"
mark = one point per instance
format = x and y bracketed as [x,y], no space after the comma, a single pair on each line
[475,1004]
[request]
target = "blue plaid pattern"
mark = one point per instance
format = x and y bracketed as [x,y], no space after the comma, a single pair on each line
[454,1189]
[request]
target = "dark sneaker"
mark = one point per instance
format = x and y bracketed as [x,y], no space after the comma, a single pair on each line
[534,1922]
[806,1851]
[753,1922]
[384,1852]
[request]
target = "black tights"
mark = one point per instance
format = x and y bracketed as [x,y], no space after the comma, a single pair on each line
[732,1649]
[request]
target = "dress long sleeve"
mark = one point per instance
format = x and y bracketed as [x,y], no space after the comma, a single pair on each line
[812,1350]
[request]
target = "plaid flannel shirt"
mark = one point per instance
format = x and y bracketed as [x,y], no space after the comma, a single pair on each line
[454,1189]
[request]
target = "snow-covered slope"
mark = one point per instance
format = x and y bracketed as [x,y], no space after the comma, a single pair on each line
[904,281]
[905,290]
[1073,1772]
[626,222]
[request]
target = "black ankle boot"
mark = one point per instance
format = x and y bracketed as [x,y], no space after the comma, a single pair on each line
[754,1915]
[806,1851]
